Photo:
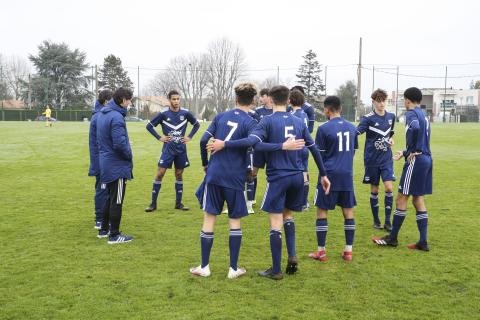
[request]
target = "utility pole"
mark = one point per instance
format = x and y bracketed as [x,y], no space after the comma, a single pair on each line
[373,79]
[93,93]
[29,100]
[326,68]
[445,95]
[96,82]
[396,97]
[359,80]
[278,75]
[138,89]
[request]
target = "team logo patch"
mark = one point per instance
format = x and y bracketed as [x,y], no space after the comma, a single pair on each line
[236,112]
[390,122]
[182,118]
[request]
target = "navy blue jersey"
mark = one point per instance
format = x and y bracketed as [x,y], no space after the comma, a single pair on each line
[174,125]
[379,129]
[255,116]
[337,141]
[263,111]
[417,132]
[276,129]
[227,167]
[299,113]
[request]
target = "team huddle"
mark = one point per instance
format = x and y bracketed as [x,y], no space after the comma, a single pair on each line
[275,136]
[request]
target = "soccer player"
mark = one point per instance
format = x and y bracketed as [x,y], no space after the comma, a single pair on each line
[297,99]
[284,176]
[174,151]
[378,162]
[308,109]
[116,162]
[94,170]
[258,160]
[416,180]
[337,141]
[48,115]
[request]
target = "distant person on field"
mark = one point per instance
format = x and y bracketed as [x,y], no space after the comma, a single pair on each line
[94,170]
[48,115]
[116,162]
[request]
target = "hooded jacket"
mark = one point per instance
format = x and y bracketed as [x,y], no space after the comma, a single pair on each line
[115,153]
[94,169]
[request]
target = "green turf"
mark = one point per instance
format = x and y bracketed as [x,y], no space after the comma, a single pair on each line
[53,266]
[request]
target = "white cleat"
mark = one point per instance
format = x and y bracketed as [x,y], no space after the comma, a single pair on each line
[232,274]
[249,207]
[199,271]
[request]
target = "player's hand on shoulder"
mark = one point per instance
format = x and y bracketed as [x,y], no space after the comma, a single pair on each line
[292,144]
[325,184]
[215,145]
[186,139]
[398,155]
[165,139]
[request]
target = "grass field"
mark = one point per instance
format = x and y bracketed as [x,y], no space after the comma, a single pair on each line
[52,266]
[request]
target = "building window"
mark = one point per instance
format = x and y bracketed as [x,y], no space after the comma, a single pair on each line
[470,100]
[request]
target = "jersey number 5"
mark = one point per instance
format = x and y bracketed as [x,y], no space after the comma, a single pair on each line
[288,134]
[340,141]
[234,126]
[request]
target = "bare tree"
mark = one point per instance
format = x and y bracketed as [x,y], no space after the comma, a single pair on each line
[160,84]
[226,65]
[17,73]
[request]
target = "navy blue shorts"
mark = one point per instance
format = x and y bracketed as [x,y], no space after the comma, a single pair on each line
[373,174]
[167,159]
[284,193]
[259,159]
[250,159]
[212,198]
[305,160]
[343,199]
[416,177]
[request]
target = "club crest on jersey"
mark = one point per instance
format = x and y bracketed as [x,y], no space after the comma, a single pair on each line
[390,122]
[182,118]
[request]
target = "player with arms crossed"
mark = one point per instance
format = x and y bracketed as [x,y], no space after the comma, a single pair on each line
[416,180]
[337,141]
[174,151]
[284,176]
[225,179]
[378,162]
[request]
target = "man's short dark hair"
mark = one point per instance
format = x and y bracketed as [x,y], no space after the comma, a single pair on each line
[172,93]
[299,88]
[279,95]
[297,99]
[264,92]
[379,95]
[105,95]
[413,94]
[122,93]
[332,103]
[245,93]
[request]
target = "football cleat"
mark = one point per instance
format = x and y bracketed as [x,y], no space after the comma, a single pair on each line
[377,225]
[102,234]
[181,206]
[98,225]
[320,255]
[152,207]
[119,238]
[269,274]
[202,272]
[233,274]
[292,265]
[347,255]
[422,246]
[385,241]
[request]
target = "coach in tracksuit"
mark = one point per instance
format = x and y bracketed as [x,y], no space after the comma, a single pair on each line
[115,162]
[94,170]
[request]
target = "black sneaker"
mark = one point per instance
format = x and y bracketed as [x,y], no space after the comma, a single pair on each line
[377,225]
[422,246]
[385,241]
[292,265]
[180,206]
[387,226]
[269,274]
[151,208]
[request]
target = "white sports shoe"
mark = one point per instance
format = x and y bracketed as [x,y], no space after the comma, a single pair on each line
[249,207]
[199,271]
[232,274]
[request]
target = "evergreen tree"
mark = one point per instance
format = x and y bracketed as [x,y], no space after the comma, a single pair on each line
[112,75]
[309,76]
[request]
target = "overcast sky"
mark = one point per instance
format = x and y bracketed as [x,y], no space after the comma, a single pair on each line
[271,33]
